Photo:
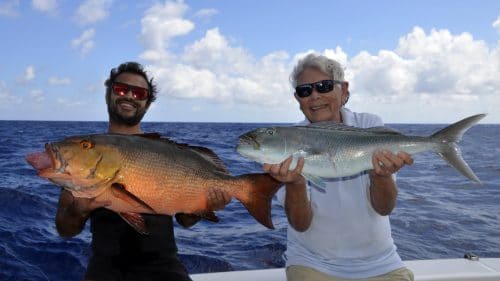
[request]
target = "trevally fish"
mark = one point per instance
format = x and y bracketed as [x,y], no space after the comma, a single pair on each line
[149,174]
[333,150]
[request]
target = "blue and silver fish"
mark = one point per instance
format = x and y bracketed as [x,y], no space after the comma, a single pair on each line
[333,150]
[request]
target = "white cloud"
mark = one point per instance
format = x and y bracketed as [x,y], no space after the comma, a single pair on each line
[68,102]
[434,71]
[37,96]
[496,24]
[9,8]
[212,69]
[85,43]
[46,6]
[59,81]
[28,75]
[160,24]
[6,97]
[92,11]
[209,68]
[206,13]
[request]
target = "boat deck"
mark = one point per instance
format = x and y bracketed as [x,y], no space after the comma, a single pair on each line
[484,269]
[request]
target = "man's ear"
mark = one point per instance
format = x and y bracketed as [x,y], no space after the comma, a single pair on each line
[345,92]
[345,86]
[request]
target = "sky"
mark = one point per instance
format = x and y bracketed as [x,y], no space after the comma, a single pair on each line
[420,61]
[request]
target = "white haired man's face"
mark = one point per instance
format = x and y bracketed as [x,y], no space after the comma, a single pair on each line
[319,107]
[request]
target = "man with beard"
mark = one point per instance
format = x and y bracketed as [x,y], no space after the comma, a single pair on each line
[118,251]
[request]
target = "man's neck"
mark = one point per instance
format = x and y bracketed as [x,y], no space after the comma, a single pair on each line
[118,128]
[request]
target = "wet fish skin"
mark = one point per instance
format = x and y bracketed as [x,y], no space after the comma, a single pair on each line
[333,150]
[146,174]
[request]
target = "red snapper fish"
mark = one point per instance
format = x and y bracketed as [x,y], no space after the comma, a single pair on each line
[148,174]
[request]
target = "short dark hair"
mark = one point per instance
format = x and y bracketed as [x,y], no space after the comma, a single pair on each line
[135,68]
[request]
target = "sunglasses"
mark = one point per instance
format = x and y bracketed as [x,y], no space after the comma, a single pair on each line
[121,89]
[323,86]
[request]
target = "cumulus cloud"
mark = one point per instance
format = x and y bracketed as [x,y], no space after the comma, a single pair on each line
[209,68]
[45,6]
[37,95]
[438,63]
[6,97]
[160,24]
[212,69]
[435,70]
[9,8]
[496,24]
[85,43]
[28,75]
[59,81]
[431,71]
[206,13]
[64,102]
[92,11]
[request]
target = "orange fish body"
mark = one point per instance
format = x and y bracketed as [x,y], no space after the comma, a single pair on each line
[148,174]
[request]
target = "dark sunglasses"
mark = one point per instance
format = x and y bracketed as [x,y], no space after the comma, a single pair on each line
[323,86]
[121,89]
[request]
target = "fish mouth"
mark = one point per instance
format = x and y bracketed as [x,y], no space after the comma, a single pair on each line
[249,140]
[48,163]
[58,162]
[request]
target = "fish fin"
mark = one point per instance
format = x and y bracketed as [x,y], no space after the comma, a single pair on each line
[188,220]
[136,221]
[316,182]
[332,125]
[209,155]
[449,150]
[204,152]
[210,216]
[150,135]
[257,198]
[383,130]
[119,191]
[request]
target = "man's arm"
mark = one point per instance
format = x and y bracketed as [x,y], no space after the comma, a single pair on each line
[383,188]
[297,205]
[72,213]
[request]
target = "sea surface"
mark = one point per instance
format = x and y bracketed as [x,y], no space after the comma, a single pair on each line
[439,213]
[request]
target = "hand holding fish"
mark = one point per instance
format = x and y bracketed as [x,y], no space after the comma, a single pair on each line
[72,212]
[282,172]
[386,163]
[217,199]
[80,206]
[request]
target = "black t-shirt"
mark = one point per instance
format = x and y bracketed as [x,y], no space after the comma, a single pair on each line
[121,253]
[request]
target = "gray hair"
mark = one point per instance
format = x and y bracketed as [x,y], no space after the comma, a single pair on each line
[324,64]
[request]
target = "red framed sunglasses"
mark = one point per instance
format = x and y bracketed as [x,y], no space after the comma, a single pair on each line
[121,89]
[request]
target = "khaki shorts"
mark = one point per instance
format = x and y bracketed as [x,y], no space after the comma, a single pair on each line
[303,273]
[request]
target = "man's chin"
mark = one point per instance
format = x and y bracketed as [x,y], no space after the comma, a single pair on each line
[128,120]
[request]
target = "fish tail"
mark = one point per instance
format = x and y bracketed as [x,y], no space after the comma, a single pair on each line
[448,148]
[257,196]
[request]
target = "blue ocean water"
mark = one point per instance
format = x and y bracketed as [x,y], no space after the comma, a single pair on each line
[439,213]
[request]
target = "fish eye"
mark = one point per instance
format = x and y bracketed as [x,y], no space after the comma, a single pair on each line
[270,132]
[85,144]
